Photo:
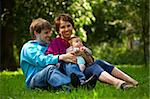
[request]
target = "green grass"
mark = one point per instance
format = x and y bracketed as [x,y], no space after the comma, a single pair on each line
[12,86]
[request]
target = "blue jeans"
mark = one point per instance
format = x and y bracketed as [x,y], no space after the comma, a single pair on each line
[69,68]
[97,67]
[105,65]
[49,76]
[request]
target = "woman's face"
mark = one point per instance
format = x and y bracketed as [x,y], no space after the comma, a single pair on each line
[65,29]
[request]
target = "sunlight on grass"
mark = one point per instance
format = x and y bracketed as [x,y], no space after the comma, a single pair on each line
[95,93]
[12,86]
[131,66]
[6,72]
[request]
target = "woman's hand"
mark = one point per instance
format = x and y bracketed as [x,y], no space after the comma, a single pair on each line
[69,57]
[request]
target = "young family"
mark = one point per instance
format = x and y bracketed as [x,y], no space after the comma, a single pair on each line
[65,61]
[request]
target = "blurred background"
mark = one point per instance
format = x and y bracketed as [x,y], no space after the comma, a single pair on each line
[116,30]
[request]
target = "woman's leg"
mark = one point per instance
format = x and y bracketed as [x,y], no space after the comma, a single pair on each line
[119,74]
[103,75]
[107,78]
[116,72]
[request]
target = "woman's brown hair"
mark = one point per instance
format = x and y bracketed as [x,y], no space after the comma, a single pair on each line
[63,17]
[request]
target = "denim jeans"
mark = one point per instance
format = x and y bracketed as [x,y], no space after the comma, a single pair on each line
[105,65]
[97,67]
[49,76]
[70,68]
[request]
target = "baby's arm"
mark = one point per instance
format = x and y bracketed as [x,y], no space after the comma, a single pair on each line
[87,50]
[87,55]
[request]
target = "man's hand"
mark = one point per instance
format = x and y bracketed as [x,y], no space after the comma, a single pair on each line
[69,57]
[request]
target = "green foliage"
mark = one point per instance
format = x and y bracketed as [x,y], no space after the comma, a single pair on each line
[118,55]
[96,21]
[12,86]
[114,19]
[25,11]
[81,12]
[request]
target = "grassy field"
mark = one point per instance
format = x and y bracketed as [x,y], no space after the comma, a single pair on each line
[12,86]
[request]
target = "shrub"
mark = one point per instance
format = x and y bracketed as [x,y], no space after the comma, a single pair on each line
[118,55]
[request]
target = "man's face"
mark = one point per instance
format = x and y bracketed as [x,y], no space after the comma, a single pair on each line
[44,36]
[65,29]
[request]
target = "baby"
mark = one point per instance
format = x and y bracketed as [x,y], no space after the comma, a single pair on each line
[84,54]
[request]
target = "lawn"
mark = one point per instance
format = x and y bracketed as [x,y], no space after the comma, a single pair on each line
[12,86]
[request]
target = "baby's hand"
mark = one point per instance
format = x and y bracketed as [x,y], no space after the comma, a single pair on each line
[83,49]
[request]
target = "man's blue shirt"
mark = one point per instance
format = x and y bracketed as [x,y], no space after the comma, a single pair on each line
[33,58]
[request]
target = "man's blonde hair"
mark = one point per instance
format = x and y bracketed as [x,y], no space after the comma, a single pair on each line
[39,24]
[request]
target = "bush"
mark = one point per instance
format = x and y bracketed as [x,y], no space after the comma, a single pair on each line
[118,55]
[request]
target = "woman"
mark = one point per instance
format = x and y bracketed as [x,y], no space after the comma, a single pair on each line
[105,71]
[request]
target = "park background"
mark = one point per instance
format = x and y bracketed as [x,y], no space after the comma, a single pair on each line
[116,30]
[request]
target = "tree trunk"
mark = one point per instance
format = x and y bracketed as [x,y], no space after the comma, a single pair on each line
[146,30]
[7,57]
[0,33]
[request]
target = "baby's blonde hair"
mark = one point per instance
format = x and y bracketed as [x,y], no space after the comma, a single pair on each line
[71,39]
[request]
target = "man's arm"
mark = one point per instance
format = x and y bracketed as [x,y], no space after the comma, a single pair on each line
[33,55]
[37,57]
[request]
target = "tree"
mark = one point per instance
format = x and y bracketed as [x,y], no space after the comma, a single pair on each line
[7,58]
[0,32]
[146,30]
[101,20]
[16,16]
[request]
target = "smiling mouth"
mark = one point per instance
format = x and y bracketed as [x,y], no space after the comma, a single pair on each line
[67,34]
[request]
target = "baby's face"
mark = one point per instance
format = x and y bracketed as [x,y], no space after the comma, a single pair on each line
[76,42]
